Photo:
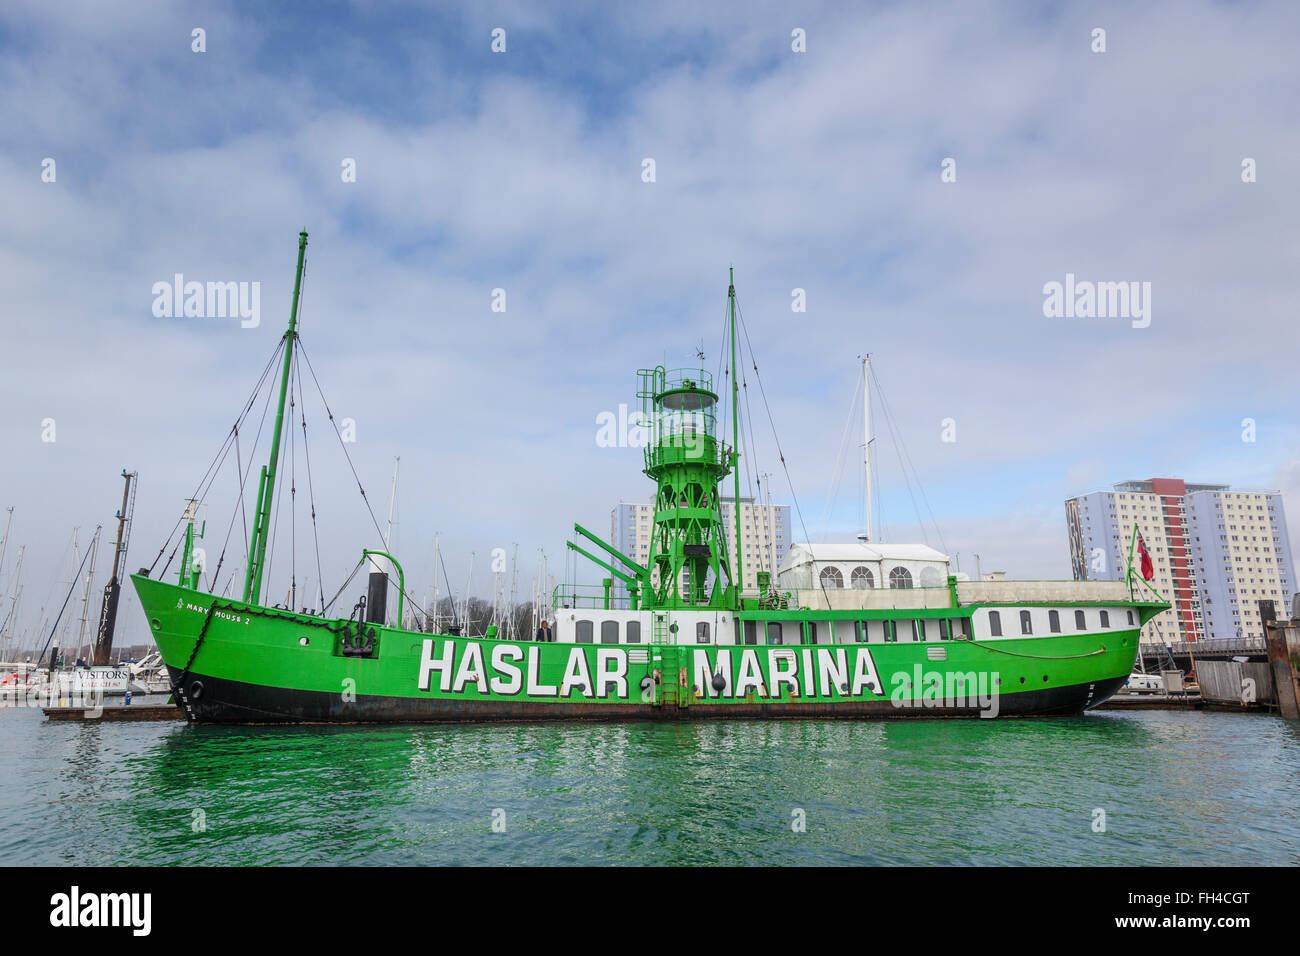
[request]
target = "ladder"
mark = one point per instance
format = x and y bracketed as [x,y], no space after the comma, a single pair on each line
[664,658]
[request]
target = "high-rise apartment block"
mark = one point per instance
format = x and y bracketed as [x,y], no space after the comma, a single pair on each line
[1216,552]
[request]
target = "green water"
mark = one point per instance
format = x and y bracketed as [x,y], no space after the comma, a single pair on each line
[1177,788]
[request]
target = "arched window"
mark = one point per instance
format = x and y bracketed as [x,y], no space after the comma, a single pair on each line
[1026,627]
[585,630]
[609,632]
[1079,622]
[900,578]
[862,578]
[831,578]
[995,624]
[1105,618]
[1054,621]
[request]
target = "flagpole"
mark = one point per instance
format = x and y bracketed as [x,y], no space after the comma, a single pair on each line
[1128,577]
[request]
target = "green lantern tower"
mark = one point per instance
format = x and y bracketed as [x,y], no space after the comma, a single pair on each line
[689,562]
[688,565]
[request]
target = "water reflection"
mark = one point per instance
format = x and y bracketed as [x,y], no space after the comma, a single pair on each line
[1175,788]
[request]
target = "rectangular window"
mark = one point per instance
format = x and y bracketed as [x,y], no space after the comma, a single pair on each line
[773,632]
[891,632]
[609,632]
[995,624]
[751,632]
[702,632]
[585,630]
[916,631]
[1026,624]
[634,632]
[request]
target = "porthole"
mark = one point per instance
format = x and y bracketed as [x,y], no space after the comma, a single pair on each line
[1044,678]
[304,641]
[157,625]
[1022,680]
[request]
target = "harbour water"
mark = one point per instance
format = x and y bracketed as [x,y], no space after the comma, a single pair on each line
[1176,788]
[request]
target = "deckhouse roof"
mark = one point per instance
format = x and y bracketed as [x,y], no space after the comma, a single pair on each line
[862,551]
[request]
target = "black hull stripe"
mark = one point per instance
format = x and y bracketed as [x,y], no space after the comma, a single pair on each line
[234,702]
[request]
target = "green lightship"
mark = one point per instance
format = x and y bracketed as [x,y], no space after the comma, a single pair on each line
[681,639]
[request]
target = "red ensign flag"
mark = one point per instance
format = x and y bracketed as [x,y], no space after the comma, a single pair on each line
[1148,569]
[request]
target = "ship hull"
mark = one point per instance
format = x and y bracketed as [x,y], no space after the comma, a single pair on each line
[236,663]
[235,702]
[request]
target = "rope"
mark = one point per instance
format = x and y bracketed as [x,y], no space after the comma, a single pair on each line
[222,452]
[780,454]
[325,607]
[837,471]
[900,449]
[1036,657]
[311,493]
[342,444]
[72,587]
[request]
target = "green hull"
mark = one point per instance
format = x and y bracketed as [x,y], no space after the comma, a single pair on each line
[232,662]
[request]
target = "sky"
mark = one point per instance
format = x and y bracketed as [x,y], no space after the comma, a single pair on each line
[827,169]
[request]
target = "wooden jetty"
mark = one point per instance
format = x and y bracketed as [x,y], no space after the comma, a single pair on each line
[118,712]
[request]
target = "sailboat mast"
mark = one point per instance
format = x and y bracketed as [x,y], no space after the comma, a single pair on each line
[4,542]
[7,626]
[72,581]
[735,432]
[436,566]
[866,436]
[261,526]
[392,503]
[82,635]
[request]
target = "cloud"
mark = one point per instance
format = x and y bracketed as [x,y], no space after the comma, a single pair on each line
[522,172]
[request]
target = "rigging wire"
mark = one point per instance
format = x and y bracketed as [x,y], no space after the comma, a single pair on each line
[210,475]
[902,453]
[758,376]
[342,444]
[840,461]
[311,493]
[54,628]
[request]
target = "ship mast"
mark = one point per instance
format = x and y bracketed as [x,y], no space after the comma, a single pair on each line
[113,590]
[866,438]
[735,431]
[266,487]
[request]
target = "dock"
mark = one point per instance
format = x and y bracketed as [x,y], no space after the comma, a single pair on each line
[118,712]
[1152,702]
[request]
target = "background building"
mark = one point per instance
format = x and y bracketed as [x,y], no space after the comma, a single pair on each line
[765,535]
[1216,552]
